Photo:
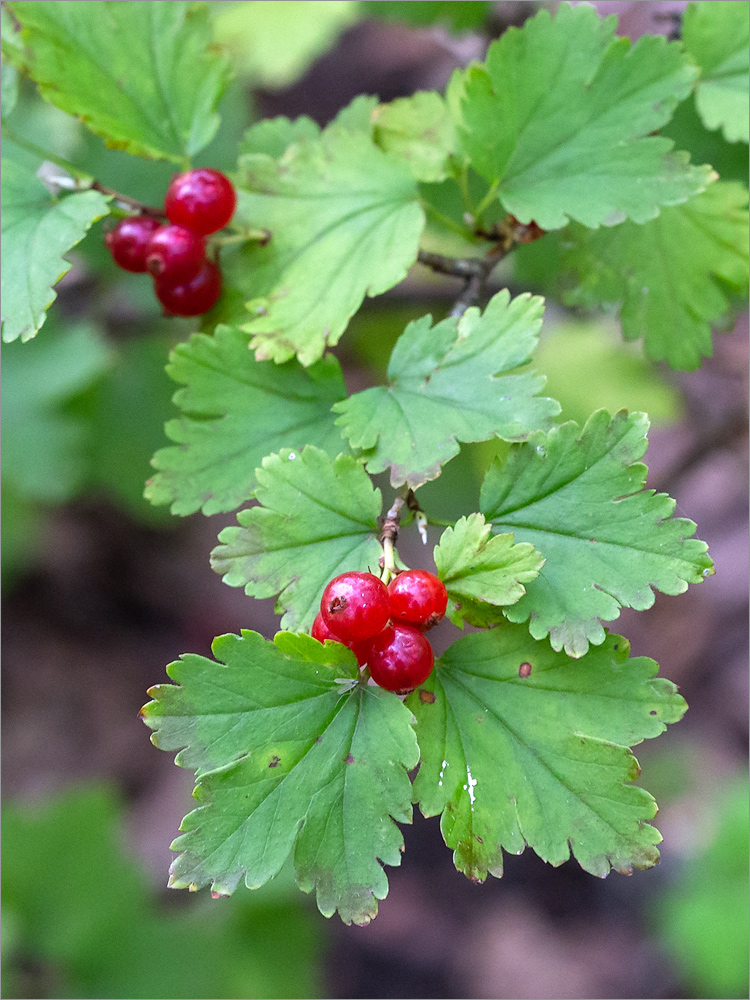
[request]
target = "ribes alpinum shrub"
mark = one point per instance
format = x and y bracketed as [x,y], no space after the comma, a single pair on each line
[318,741]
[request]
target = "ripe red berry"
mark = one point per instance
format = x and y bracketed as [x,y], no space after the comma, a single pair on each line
[354,606]
[175,254]
[417,598]
[400,658]
[128,240]
[193,297]
[321,632]
[202,200]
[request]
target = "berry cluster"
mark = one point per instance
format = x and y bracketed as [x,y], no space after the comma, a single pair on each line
[384,626]
[186,282]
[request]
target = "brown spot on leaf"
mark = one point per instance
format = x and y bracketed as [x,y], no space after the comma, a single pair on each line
[653,712]
[524,670]
[349,759]
[427,697]
[275,761]
[479,839]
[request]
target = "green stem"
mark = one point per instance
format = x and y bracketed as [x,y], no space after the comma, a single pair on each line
[447,221]
[261,236]
[439,522]
[485,202]
[43,154]
[462,178]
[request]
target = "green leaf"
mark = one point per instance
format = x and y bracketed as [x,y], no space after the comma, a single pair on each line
[122,437]
[687,131]
[716,35]
[420,130]
[577,496]
[273,136]
[10,40]
[458,15]
[558,120]
[235,411]
[702,916]
[36,232]
[293,753]
[482,571]
[447,385]
[141,75]
[318,519]
[521,745]
[669,275]
[94,927]
[43,455]
[275,43]
[588,367]
[8,89]
[346,223]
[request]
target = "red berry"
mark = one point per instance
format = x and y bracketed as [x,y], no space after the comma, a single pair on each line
[175,254]
[417,598]
[202,200]
[354,606]
[128,240]
[321,632]
[193,297]
[400,658]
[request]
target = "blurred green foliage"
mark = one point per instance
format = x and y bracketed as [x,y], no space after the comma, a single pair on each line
[87,923]
[702,919]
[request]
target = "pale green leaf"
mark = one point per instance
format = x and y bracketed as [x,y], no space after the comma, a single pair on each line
[448,383]
[43,455]
[345,223]
[716,35]
[274,43]
[318,518]
[8,89]
[558,121]
[578,497]
[420,130]
[588,367]
[293,754]
[482,571]
[235,411]
[457,15]
[669,275]
[36,232]
[273,136]
[522,745]
[141,75]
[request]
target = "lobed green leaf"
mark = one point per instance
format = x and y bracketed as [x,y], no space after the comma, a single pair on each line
[716,35]
[318,518]
[345,223]
[235,411]
[36,231]
[522,745]
[577,496]
[558,119]
[141,75]
[482,571]
[448,383]
[292,754]
[420,130]
[670,275]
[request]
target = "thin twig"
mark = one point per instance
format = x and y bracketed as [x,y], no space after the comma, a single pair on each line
[474,270]
[125,199]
